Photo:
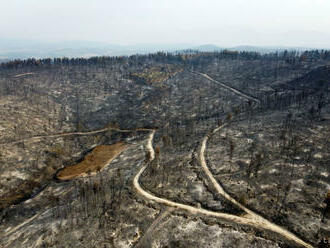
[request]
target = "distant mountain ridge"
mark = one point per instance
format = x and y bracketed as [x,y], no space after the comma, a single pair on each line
[259,49]
[21,49]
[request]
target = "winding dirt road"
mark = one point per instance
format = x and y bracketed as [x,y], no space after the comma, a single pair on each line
[258,220]
[251,218]
[170,203]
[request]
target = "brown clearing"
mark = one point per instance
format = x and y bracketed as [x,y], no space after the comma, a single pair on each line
[95,161]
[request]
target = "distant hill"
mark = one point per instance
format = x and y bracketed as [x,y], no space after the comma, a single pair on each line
[21,49]
[267,49]
[208,48]
[258,49]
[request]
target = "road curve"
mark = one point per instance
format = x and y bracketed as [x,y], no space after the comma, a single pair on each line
[258,220]
[252,219]
[170,203]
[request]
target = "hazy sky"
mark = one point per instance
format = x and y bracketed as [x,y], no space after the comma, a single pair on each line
[221,22]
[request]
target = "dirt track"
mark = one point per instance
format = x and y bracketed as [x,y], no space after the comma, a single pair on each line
[24,74]
[39,137]
[259,221]
[241,94]
[251,218]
